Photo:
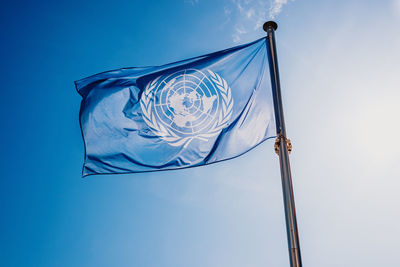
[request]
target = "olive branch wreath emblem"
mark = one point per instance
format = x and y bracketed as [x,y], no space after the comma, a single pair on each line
[165,133]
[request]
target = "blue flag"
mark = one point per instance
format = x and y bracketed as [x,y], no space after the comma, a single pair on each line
[188,113]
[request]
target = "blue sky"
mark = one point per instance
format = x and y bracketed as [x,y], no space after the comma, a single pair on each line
[339,65]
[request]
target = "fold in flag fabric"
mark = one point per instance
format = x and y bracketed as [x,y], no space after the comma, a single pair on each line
[188,113]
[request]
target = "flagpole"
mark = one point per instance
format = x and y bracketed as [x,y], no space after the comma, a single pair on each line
[282,148]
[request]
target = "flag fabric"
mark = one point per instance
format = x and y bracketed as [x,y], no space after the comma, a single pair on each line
[188,113]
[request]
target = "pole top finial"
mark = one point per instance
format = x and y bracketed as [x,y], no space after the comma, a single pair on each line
[270,24]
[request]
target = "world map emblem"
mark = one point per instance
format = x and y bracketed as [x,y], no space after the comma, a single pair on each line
[187,105]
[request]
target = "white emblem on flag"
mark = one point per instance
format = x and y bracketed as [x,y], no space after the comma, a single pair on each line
[187,105]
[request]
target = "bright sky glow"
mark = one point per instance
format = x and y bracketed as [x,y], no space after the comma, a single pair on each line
[340,74]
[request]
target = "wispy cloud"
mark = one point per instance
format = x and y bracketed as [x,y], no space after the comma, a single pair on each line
[276,7]
[193,2]
[227,11]
[239,31]
[251,14]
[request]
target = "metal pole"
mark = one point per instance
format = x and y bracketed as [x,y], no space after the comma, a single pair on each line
[283,147]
